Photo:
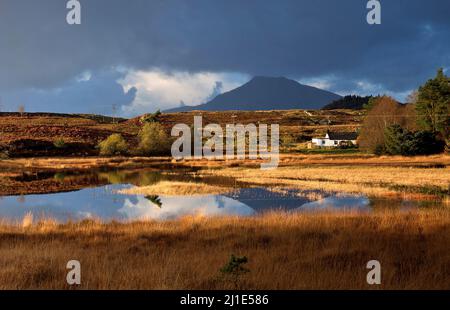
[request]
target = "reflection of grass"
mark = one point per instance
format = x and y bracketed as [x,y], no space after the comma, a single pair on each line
[426,190]
[134,177]
[175,188]
[296,251]
[155,199]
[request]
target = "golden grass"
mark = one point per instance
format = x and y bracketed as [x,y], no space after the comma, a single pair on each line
[298,251]
[81,163]
[173,188]
[407,182]
[286,160]
[395,176]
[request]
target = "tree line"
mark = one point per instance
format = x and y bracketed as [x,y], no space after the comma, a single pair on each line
[420,127]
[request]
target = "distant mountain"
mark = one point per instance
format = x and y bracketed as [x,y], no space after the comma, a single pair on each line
[348,102]
[267,93]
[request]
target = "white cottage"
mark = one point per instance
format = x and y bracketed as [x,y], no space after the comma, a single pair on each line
[334,139]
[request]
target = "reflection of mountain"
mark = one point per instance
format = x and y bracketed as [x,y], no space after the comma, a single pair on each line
[360,203]
[261,199]
[179,206]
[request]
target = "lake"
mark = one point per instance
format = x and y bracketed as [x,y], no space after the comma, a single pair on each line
[74,196]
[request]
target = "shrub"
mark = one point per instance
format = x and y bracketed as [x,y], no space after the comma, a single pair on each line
[4,155]
[4,151]
[151,118]
[60,176]
[379,149]
[59,143]
[153,140]
[400,141]
[345,145]
[384,111]
[426,143]
[234,269]
[287,140]
[394,140]
[115,144]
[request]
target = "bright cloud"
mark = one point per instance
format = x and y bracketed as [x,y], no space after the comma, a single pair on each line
[162,90]
[344,86]
[319,82]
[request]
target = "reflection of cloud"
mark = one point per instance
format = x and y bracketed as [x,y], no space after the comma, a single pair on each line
[178,206]
[338,203]
[85,215]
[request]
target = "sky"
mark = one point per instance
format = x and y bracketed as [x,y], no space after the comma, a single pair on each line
[136,56]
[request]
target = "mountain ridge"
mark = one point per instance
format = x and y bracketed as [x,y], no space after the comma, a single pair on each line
[266,93]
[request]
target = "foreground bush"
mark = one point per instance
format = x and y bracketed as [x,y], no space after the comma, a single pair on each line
[115,144]
[153,140]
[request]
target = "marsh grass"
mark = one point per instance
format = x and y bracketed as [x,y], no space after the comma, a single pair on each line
[176,188]
[377,181]
[284,251]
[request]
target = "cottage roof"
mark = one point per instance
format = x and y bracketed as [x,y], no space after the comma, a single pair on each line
[342,135]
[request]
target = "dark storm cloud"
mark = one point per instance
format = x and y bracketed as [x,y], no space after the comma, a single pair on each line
[298,39]
[98,94]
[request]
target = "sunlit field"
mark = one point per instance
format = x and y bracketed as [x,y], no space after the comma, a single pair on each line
[284,251]
[401,177]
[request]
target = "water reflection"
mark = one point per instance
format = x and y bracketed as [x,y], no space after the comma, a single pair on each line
[103,203]
[339,203]
[179,206]
[94,195]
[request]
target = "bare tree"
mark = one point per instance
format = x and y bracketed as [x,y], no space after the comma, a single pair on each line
[385,112]
[413,97]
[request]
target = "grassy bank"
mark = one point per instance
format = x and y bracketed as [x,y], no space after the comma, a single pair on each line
[301,251]
[419,177]
[394,180]
[286,160]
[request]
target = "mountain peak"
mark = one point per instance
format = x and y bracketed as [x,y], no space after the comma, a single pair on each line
[263,77]
[267,93]
[269,79]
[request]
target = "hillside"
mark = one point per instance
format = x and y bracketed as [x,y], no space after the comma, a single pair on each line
[267,93]
[35,134]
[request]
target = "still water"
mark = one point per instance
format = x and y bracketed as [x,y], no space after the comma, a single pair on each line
[99,200]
